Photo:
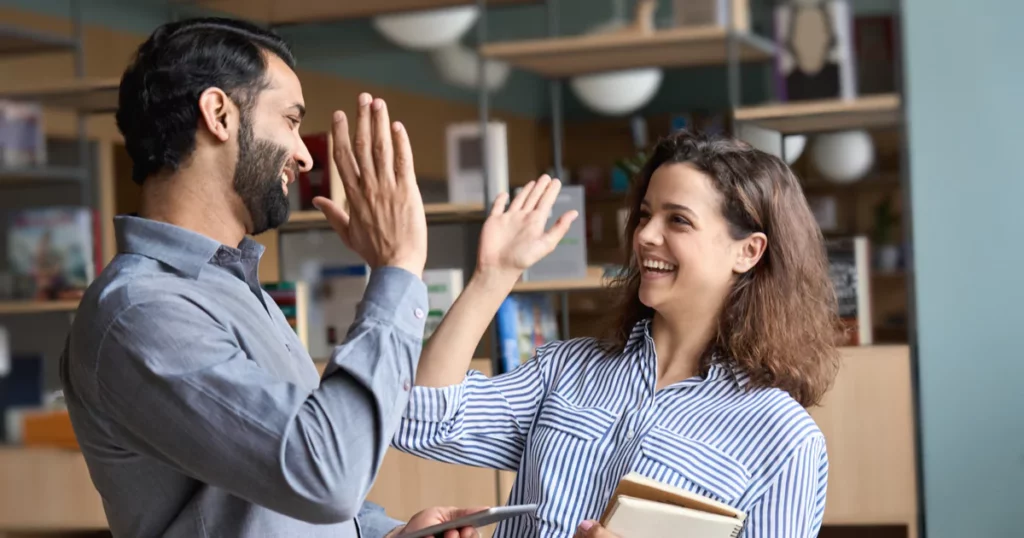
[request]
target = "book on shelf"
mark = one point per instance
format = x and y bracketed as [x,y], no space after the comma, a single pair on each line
[525,321]
[293,299]
[53,252]
[642,507]
[568,261]
[443,287]
[22,136]
[850,270]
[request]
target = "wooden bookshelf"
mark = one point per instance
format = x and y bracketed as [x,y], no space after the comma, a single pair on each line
[16,40]
[36,307]
[436,213]
[94,96]
[868,112]
[592,53]
[41,175]
[307,11]
[594,280]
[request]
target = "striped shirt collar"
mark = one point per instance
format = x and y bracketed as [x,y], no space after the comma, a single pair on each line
[641,343]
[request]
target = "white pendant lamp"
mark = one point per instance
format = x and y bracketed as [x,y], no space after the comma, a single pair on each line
[843,157]
[429,29]
[617,93]
[457,65]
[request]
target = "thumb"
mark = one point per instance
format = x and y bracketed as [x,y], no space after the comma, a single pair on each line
[561,227]
[337,217]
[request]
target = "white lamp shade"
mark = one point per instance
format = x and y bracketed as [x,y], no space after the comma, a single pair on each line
[768,140]
[618,93]
[457,65]
[843,157]
[424,30]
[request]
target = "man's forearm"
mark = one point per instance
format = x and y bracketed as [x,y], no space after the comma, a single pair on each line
[449,351]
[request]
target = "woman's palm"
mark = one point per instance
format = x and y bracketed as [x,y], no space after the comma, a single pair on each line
[513,239]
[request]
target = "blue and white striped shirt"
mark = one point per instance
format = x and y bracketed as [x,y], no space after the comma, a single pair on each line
[575,419]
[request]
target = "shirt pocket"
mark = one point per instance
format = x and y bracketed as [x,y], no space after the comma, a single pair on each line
[693,465]
[559,415]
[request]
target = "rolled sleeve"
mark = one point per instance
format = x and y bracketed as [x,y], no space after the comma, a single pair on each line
[480,422]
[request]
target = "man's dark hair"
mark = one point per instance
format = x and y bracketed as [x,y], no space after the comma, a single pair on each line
[158,104]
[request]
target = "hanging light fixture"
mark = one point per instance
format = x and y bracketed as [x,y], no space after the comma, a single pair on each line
[428,29]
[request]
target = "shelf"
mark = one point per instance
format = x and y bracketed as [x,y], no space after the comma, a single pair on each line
[41,175]
[93,96]
[594,280]
[868,112]
[15,40]
[37,307]
[436,214]
[592,53]
[309,11]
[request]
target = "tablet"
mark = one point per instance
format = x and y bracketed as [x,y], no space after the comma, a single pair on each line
[479,519]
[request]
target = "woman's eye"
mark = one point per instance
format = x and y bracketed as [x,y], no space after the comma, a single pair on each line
[681,221]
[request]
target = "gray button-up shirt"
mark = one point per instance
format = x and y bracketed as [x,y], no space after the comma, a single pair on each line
[200,413]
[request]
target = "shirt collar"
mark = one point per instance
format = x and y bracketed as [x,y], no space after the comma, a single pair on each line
[640,338]
[184,250]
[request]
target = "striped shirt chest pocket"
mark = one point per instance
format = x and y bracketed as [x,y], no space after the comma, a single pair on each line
[692,465]
[567,450]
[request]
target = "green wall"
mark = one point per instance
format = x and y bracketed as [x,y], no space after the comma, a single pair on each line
[964,89]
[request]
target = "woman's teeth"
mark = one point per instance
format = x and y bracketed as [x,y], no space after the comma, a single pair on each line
[656,265]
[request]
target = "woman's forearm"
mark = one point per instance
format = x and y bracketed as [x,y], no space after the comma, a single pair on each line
[448,352]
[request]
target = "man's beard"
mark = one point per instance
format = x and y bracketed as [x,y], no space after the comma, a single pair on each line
[258,179]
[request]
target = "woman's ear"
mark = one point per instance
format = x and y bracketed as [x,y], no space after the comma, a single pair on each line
[750,251]
[216,113]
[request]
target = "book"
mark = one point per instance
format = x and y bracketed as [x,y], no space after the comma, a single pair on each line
[443,288]
[525,322]
[642,507]
[850,270]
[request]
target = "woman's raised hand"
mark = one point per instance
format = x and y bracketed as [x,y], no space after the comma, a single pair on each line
[514,238]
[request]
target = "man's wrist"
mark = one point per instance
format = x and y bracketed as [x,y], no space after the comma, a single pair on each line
[414,267]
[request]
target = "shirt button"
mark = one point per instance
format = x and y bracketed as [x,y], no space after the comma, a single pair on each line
[405,385]
[418,313]
[630,434]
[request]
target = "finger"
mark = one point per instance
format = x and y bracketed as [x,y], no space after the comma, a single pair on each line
[344,159]
[517,202]
[337,217]
[499,204]
[560,228]
[550,195]
[451,534]
[405,172]
[469,532]
[363,141]
[542,184]
[383,150]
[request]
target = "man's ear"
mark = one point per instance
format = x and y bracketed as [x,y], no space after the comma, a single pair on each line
[750,251]
[217,113]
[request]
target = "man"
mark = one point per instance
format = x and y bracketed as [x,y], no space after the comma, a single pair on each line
[198,410]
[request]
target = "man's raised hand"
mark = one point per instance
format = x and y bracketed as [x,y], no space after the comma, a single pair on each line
[385,222]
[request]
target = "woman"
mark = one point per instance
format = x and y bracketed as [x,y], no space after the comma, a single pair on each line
[725,333]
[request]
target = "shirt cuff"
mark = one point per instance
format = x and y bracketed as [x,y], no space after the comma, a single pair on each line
[394,295]
[433,404]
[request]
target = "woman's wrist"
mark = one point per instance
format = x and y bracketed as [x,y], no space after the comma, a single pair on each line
[496,279]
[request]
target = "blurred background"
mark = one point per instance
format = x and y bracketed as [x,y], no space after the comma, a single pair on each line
[901,120]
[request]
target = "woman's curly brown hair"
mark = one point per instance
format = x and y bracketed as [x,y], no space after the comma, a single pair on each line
[780,324]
